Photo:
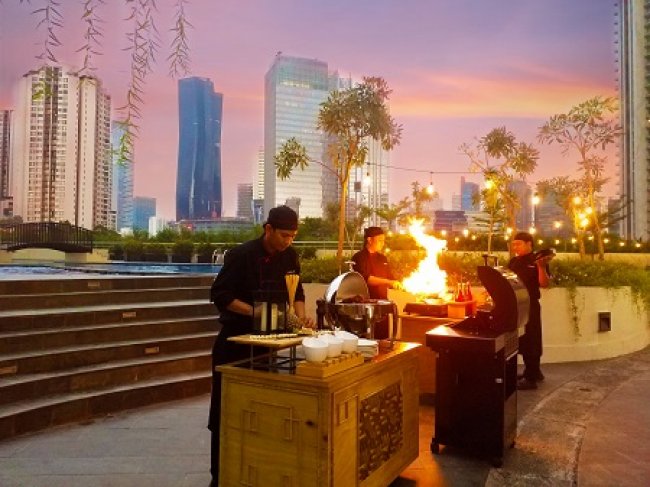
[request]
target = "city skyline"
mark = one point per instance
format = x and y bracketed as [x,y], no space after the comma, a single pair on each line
[456,70]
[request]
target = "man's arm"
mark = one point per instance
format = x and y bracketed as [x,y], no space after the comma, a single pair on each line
[542,276]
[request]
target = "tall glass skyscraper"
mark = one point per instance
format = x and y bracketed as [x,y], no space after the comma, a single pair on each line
[6,204]
[198,179]
[122,181]
[143,209]
[294,88]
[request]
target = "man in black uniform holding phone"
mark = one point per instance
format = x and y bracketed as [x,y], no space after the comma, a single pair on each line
[533,271]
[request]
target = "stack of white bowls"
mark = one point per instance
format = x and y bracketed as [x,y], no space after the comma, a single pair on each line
[350,340]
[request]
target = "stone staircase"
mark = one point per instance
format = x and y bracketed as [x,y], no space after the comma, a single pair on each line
[75,348]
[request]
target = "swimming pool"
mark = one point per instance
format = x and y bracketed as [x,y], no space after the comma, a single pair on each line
[13,271]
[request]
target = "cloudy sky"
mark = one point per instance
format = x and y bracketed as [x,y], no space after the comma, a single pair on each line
[458,68]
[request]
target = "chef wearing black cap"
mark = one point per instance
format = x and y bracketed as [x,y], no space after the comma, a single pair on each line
[373,266]
[248,268]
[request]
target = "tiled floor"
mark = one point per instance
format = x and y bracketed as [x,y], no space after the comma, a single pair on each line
[590,419]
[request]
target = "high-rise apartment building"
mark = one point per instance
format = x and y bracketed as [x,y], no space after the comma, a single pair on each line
[245,201]
[634,62]
[6,203]
[143,209]
[294,88]
[524,217]
[61,161]
[198,179]
[122,181]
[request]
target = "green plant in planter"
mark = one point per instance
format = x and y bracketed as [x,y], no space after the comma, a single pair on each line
[182,251]
[572,273]
[116,252]
[204,252]
[133,250]
[155,252]
[319,270]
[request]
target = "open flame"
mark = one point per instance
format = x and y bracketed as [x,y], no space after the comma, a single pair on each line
[428,279]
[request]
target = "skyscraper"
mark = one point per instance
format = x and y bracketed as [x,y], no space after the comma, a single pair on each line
[122,181]
[143,209]
[61,162]
[6,206]
[294,88]
[258,176]
[198,179]
[245,201]
[467,192]
[369,184]
[634,61]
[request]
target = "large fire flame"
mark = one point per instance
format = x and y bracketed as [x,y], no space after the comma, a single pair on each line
[428,279]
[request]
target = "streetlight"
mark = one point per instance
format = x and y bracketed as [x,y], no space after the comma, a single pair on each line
[535,200]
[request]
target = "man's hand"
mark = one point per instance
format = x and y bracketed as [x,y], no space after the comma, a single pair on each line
[397,285]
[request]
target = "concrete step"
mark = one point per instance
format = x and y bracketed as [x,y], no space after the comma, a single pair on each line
[45,339]
[78,356]
[30,387]
[96,315]
[101,297]
[100,282]
[25,417]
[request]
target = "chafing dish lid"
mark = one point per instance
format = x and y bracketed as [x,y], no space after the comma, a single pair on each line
[345,286]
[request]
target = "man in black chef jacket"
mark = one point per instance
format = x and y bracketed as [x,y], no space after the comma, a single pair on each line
[373,266]
[535,274]
[256,265]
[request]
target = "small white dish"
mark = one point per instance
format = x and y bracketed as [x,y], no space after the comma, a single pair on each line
[350,341]
[334,345]
[315,350]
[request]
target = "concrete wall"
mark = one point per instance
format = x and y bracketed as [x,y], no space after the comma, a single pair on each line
[31,256]
[564,342]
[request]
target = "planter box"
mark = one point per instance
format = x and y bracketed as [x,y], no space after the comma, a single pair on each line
[567,341]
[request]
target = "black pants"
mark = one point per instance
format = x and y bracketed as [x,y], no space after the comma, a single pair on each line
[223,352]
[530,344]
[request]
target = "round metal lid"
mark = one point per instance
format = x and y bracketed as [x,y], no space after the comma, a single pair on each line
[347,285]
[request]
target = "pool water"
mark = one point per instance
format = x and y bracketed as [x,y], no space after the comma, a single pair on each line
[13,271]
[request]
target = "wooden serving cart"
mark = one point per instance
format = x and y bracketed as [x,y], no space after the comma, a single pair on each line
[357,426]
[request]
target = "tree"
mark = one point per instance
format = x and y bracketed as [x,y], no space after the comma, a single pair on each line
[569,194]
[419,196]
[348,118]
[392,213]
[587,128]
[501,160]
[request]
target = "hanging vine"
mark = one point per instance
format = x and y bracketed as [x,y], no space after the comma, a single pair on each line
[143,43]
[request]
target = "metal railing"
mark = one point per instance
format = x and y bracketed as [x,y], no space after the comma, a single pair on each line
[45,235]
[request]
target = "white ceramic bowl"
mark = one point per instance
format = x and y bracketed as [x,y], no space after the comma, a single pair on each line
[315,350]
[350,341]
[334,345]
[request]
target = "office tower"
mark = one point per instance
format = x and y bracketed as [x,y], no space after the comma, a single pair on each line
[122,181]
[369,183]
[548,213]
[468,200]
[245,201]
[294,88]
[198,179]
[6,202]
[258,176]
[143,209]
[634,62]
[62,159]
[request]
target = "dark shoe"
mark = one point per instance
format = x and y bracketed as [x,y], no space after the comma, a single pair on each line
[525,384]
[539,378]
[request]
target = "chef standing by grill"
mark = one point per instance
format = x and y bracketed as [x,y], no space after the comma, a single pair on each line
[534,273]
[373,266]
[248,268]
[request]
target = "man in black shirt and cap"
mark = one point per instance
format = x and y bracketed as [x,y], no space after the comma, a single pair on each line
[373,266]
[253,266]
[534,273]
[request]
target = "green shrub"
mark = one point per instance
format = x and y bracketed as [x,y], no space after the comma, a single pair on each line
[155,252]
[182,251]
[319,270]
[133,250]
[204,252]
[116,252]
